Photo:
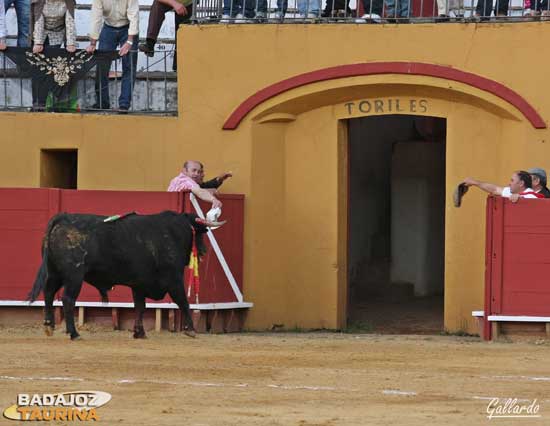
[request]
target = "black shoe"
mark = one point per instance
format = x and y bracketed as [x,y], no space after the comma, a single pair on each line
[97,106]
[123,109]
[148,48]
[443,18]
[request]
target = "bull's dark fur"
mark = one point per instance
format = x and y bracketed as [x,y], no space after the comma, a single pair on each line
[147,253]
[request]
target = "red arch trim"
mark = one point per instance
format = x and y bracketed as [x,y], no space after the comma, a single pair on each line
[409,68]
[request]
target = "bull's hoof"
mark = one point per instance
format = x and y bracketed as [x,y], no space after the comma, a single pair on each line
[48,329]
[190,333]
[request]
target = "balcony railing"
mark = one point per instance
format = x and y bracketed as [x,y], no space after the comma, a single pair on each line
[368,11]
[154,91]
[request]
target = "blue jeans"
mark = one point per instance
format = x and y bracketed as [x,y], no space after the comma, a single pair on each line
[23,12]
[237,8]
[402,10]
[309,6]
[109,39]
[282,6]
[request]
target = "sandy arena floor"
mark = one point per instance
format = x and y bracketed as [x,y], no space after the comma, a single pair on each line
[280,378]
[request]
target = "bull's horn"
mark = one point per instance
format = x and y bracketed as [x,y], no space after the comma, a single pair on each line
[210,224]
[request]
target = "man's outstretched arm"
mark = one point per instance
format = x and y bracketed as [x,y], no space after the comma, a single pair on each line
[491,188]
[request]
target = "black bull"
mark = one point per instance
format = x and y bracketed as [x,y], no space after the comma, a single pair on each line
[147,253]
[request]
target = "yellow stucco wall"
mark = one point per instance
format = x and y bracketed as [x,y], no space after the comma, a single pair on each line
[293,170]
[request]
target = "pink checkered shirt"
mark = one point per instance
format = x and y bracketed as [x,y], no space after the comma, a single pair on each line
[182,183]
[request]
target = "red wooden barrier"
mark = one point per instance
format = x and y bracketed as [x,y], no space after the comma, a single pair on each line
[517,279]
[24,214]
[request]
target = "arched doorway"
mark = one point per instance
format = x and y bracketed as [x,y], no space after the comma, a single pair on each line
[396,236]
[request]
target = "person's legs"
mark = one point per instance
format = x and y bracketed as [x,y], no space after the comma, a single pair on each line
[404,8]
[129,68]
[373,7]
[282,6]
[484,8]
[309,7]
[107,41]
[156,18]
[23,11]
[501,8]
[232,8]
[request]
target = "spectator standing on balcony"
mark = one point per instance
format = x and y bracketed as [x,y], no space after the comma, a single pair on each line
[238,11]
[54,24]
[23,12]
[187,181]
[397,10]
[120,20]
[484,9]
[261,15]
[537,7]
[309,9]
[183,10]
[3,30]
[444,7]
[373,11]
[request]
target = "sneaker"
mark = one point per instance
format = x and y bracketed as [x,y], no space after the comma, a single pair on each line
[226,19]
[443,18]
[310,17]
[371,18]
[260,17]
[147,48]
[278,18]
[240,19]
[123,109]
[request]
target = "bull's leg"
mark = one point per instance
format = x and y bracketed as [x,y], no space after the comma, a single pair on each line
[52,285]
[177,293]
[72,290]
[139,305]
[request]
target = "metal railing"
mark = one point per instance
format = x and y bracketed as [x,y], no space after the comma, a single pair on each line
[152,83]
[367,11]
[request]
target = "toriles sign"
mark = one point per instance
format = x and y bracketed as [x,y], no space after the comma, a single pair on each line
[387,106]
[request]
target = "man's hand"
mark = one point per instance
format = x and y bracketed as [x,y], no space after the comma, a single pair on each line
[180,9]
[221,178]
[37,48]
[216,203]
[3,45]
[124,49]
[470,182]
[91,48]
[514,198]
[71,48]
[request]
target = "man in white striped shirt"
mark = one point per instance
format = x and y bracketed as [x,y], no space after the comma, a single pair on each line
[120,20]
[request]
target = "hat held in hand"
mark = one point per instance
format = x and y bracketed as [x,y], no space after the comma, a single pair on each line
[460,190]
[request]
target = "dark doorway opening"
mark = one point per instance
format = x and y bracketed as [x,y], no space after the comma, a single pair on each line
[396,244]
[59,168]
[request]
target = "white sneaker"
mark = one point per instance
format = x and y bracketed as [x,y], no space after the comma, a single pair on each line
[240,19]
[226,19]
[307,18]
[373,17]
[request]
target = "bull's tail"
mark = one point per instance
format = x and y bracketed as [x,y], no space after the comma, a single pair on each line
[42,274]
[41,278]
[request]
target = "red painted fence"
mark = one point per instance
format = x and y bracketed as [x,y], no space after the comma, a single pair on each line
[517,277]
[24,214]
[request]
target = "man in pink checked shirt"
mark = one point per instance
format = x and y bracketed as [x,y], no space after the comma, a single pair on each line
[187,181]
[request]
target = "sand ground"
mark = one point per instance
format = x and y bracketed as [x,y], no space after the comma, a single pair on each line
[279,378]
